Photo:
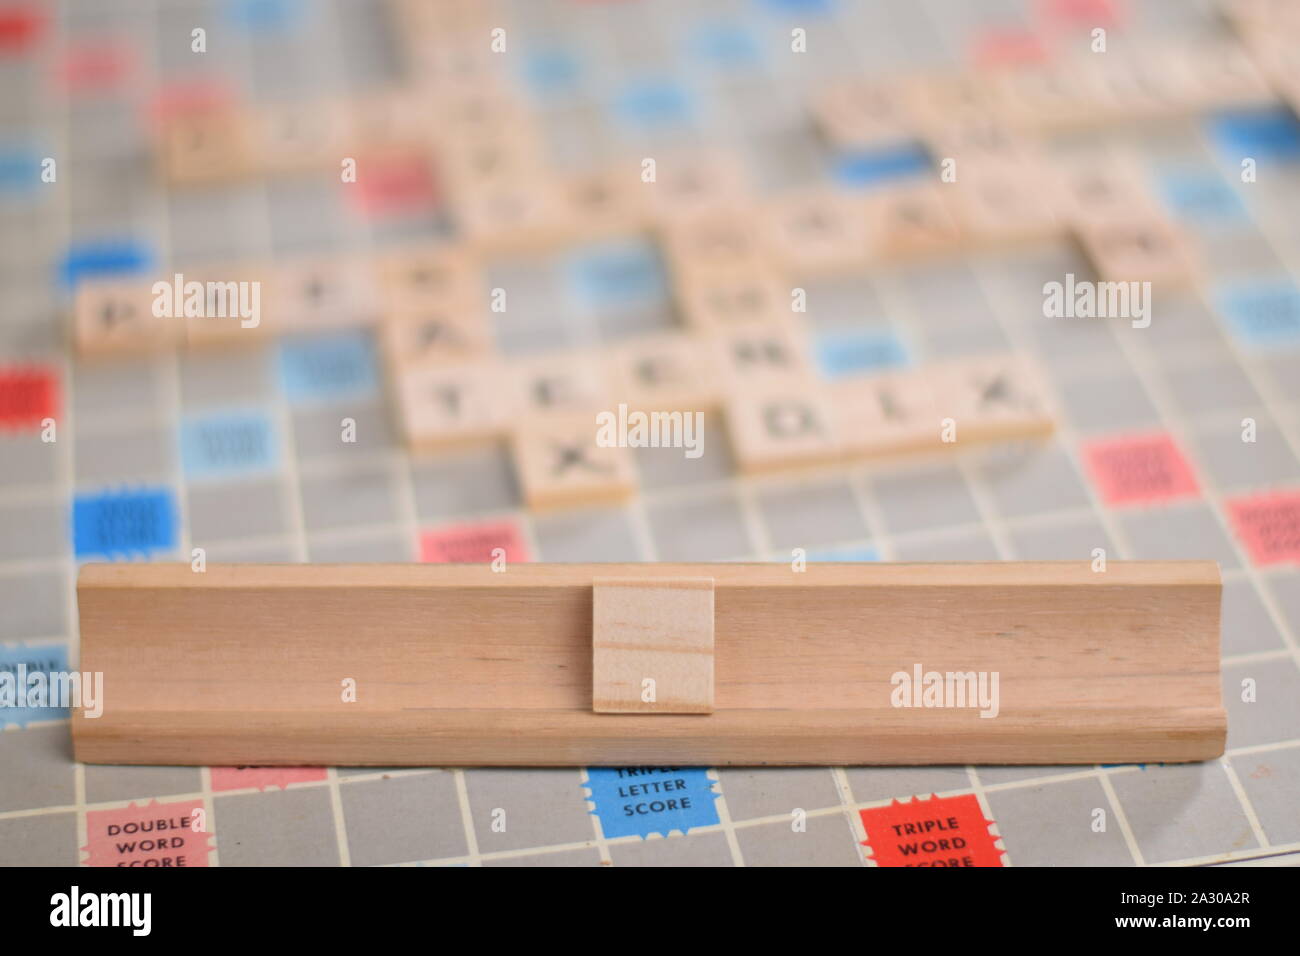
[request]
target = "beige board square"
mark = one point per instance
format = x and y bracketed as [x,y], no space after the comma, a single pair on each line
[116,317]
[562,462]
[652,637]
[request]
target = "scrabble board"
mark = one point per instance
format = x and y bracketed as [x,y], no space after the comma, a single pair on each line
[854,211]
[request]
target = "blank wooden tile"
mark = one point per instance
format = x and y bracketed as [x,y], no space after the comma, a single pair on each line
[389,117]
[1050,97]
[436,335]
[714,240]
[667,372]
[887,415]
[1133,88]
[781,427]
[1277,57]
[478,116]
[863,113]
[227,288]
[937,99]
[718,299]
[690,182]
[518,214]
[974,142]
[994,205]
[910,222]
[1222,75]
[560,464]
[116,317]
[453,405]
[652,638]
[817,231]
[441,60]
[992,398]
[1140,249]
[1102,189]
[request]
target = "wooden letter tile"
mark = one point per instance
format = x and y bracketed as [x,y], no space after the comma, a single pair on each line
[324,294]
[652,645]
[880,416]
[668,372]
[1140,249]
[718,299]
[561,464]
[429,275]
[718,239]
[451,405]
[863,114]
[116,316]
[558,383]
[911,221]
[992,398]
[817,232]
[1003,205]
[787,427]
[206,146]
[763,354]
[436,335]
